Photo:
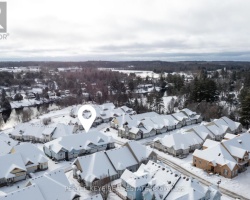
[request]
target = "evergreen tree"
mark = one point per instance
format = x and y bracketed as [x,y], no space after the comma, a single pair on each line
[245,111]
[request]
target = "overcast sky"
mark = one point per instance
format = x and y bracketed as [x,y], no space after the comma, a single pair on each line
[169,30]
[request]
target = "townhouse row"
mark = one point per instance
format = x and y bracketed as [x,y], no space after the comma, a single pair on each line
[180,144]
[145,125]
[103,167]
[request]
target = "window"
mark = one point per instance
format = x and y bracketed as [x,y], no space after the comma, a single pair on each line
[225,172]
[200,161]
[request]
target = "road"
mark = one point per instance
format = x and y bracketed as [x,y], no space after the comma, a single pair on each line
[190,174]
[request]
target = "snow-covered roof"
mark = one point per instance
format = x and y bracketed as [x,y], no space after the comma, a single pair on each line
[79,141]
[95,166]
[216,155]
[192,138]
[217,130]
[27,193]
[141,152]
[40,130]
[121,158]
[232,124]
[210,143]
[191,190]
[228,136]
[30,153]
[54,185]
[188,112]
[6,144]
[202,131]
[176,141]
[238,146]
[180,116]
[9,162]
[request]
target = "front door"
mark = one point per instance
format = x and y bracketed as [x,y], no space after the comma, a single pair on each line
[67,156]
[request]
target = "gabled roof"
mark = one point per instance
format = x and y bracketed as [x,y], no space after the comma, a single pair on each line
[217,130]
[54,185]
[121,158]
[202,131]
[40,130]
[232,124]
[188,112]
[9,162]
[140,151]
[238,146]
[216,155]
[180,116]
[30,153]
[176,141]
[95,166]
[78,141]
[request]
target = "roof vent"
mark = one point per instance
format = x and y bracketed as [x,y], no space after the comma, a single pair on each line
[240,141]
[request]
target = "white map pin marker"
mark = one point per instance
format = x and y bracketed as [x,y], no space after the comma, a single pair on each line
[87,123]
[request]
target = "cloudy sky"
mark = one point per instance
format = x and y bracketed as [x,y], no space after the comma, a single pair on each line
[171,30]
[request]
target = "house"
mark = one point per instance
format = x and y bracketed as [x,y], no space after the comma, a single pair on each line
[33,158]
[216,159]
[41,133]
[72,146]
[12,168]
[235,127]
[173,144]
[184,119]
[193,116]
[223,124]
[218,131]
[105,166]
[158,181]
[239,148]
[6,144]
[22,160]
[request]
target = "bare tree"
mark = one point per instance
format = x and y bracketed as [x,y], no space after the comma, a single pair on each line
[1,121]
[171,106]
[26,115]
[104,186]
[46,121]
